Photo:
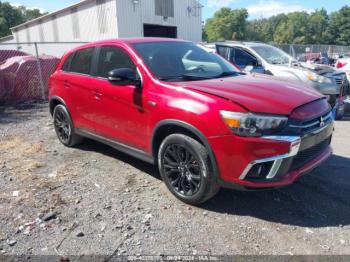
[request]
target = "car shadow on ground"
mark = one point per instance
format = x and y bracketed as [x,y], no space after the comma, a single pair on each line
[318,199]
[94,146]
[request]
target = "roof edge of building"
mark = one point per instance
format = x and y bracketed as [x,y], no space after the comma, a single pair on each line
[82,2]
[5,38]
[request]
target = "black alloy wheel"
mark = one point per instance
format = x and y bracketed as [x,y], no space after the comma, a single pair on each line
[186,169]
[182,169]
[64,127]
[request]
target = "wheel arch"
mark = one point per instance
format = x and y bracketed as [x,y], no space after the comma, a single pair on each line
[168,127]
[54,101]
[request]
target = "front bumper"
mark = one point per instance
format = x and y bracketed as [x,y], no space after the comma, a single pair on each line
[287,157]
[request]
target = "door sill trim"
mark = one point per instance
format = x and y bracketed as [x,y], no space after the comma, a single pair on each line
[137,153]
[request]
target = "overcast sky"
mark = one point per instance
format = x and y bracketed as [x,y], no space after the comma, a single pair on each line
[256,8]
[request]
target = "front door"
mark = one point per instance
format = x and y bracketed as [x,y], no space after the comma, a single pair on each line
[120,112]
[77,84]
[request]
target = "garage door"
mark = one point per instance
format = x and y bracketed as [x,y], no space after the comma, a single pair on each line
[159,31]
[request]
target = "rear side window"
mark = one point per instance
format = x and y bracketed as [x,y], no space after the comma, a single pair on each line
[81,62]
[113,58]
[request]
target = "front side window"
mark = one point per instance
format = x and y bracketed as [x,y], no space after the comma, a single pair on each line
[81,62]
[182,61]
[113,58]
[243,59]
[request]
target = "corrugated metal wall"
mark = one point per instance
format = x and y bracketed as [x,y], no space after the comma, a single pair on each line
[187,18]
[105,19]
[93,20]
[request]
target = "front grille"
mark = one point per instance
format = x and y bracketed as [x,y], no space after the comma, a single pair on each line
[339,81]
[340,78]
[304,127]
[309,154]
[342,81]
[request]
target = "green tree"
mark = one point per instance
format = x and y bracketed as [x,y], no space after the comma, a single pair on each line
[318,25]
[11,16]
[30,14]
[264,29]
[227,24]
[339,27]
[294,30]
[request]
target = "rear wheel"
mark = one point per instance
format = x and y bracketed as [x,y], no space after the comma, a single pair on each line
[64,127]
[185,168]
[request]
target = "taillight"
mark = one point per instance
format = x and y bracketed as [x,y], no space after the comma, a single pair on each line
[340,65]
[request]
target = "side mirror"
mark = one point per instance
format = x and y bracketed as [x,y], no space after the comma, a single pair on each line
[123,76]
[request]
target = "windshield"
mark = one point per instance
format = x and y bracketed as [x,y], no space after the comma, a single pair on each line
[272,54]
[183,61]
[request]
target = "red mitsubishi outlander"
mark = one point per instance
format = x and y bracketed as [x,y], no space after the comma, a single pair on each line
[204,123]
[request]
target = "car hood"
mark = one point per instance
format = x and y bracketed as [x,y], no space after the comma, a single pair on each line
[257,93]
[297,67]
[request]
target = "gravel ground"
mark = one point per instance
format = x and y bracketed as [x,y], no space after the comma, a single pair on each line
[94,200]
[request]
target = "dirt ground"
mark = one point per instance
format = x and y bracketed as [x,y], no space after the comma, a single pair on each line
[94,200]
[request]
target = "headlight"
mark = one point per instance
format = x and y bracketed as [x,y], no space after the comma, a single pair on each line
[318,78]
[248,124]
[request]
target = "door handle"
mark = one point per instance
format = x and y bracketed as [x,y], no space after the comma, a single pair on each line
[97,94]
[66,83]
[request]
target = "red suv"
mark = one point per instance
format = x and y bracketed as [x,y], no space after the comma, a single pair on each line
[205,124]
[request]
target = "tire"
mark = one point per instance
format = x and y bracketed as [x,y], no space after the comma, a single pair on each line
[64,127]
[186,170]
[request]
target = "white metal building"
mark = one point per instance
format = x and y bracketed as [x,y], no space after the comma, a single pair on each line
[91,20]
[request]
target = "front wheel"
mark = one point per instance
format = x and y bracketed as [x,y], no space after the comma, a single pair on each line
[64,127]
[185,168]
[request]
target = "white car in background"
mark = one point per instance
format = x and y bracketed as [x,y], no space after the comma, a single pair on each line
[343,64]
[266,59]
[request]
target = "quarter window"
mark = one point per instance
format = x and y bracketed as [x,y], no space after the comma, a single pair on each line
[81,62]
[113,58]
[66,65]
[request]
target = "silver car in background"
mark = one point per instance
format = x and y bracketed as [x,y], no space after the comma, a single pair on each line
[266,59]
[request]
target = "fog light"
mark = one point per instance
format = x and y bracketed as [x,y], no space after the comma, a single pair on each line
[259,171]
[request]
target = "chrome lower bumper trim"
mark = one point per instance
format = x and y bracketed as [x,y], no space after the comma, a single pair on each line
[294,141]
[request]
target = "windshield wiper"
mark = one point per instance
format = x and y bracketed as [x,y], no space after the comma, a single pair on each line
[190,77]
[184,77]
[169,78]
[224,74]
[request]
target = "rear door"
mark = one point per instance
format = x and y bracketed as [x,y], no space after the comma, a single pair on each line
[81,92]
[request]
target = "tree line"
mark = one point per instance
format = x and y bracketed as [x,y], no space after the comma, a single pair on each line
[317,27]
[11,16]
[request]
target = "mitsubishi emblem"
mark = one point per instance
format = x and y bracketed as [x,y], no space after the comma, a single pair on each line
[322,122]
